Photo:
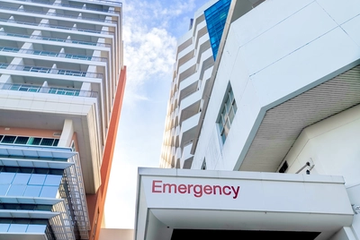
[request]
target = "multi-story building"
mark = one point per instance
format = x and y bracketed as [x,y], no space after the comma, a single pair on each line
[61,87]
[190,87]
[282,98]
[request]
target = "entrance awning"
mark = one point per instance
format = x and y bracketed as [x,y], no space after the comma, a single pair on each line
[173,201]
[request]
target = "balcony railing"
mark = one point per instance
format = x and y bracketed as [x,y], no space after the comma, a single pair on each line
[9,49]
[49,90]
[107,1]
[53,54]
[56,26]
[58,15]
[56,39]
[38,69]
[72,6]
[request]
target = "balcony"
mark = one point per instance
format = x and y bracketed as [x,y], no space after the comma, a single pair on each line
[189,129]
[9,49]
[47,70]
[52,54]
[110,2]
[55,26]
[58,15]
[56,39]
[189,81]
[186,154]
[190,105]
[49,90]
[74,6]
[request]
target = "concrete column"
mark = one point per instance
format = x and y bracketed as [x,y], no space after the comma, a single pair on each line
[26,46]
[66,134]
[85,89]
[5,79]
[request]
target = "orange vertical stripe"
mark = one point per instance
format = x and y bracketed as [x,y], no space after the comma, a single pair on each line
[97,201]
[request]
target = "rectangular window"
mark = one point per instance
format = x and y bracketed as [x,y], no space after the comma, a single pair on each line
[9,139]
[32,191]
[37,179]
[21,140]
[16,190]
[227,114]
[47,142]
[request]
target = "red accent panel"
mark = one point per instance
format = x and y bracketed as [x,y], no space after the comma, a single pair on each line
[96,202]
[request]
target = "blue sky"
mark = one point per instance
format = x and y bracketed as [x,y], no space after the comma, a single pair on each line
[150,32]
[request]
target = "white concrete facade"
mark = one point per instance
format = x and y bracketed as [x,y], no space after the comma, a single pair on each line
[269,74]
[293,68]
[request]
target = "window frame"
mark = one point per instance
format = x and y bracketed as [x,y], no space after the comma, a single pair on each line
[227,113]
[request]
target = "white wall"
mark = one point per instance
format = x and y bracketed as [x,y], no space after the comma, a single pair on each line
[274,52]
[332,145]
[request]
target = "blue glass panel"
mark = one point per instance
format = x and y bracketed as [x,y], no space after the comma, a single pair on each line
[215,17]
[32,191]
[36,228]
[49,192]
[6,177]
[37,179]
[18,228]
[16,190]
[4,188]
[4,227]
[21,178]
[53,180]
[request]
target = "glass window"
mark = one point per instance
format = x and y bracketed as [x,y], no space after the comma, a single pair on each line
[11,169]
[8,139]
[215,17]
[27,206]
[21,178]
[227,114]
[53,180]
[32,191]
[47,142]
[18,228]
[56,171]
[37,179]
[26,170]
[6,177]
[21,140]
[42,171]
[4,227]
[10,206]
[36,228]
[16,190]
[43,208]
[34,141]
[49,192]
[3,189]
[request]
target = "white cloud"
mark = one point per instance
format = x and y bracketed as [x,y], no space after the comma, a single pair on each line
[149,45]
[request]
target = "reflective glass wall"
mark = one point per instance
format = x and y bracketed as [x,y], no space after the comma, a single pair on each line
[215,17]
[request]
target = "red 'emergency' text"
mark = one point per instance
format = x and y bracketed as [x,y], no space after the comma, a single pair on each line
[198,190]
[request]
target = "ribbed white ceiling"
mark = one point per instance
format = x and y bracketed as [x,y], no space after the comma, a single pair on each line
[282,124]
